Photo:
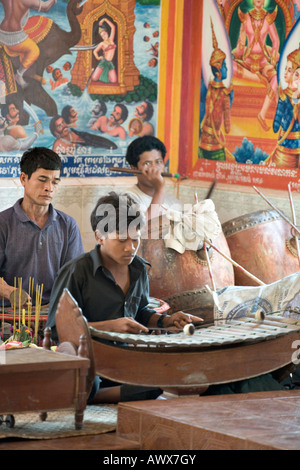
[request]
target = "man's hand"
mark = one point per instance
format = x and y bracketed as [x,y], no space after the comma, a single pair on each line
[121,325]
[128,325]
[179,320]
[153,175]
[16,298]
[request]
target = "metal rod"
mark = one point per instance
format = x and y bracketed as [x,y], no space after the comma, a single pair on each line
[170,329]
[235,264]
[277,210]
[209,267]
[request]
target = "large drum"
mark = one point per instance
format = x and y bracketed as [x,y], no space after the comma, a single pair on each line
[173,273]
[263,244]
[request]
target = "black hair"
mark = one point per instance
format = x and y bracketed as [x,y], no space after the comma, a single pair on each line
[52,124]
[39,157]
[149,110]
[141,145]
[53,73]
[124,111]
[65,113]
[115,212]
[5,109]
[103,108]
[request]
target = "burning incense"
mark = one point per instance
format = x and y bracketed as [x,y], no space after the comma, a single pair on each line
[15,299]
[38,303]
[20,296]
[30,293]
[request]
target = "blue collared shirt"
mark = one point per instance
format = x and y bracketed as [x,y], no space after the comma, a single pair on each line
[26,250]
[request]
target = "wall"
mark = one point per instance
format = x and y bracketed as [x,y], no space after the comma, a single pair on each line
[177,125]
[77,197]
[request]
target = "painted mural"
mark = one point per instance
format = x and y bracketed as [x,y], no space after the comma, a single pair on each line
[79,77]
[250,90]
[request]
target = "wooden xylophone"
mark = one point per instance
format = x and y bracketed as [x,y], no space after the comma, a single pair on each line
[182,364]
[244,330]
[185,365]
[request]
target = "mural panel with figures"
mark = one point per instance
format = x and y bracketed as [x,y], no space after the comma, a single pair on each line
[250,89]
[77,76]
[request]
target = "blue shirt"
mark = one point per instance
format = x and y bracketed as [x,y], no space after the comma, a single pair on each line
[26,250]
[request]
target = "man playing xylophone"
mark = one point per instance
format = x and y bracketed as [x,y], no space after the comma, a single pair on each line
[110,285]
[36,240]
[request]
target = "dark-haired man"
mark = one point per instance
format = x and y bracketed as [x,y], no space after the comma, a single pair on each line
[36,240]
[112,125]
[143,113]
[147,154]
[110,284]
[67,140]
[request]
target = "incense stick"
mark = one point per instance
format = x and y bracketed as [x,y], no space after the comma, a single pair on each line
[20,294]
[15,299]
[38,303]
[30,293]
[2,308]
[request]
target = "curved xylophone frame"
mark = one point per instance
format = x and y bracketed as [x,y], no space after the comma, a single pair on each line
[192,371]
[181,371]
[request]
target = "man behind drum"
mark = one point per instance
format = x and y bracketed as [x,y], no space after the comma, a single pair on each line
[110,285]
[147,154]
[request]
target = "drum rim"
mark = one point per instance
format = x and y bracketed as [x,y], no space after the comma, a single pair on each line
[247,221]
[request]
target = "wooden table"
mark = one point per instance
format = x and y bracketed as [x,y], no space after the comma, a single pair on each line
[39,380]
[247,421]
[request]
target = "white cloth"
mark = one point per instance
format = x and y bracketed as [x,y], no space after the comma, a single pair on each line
[189,228]
[234,302]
